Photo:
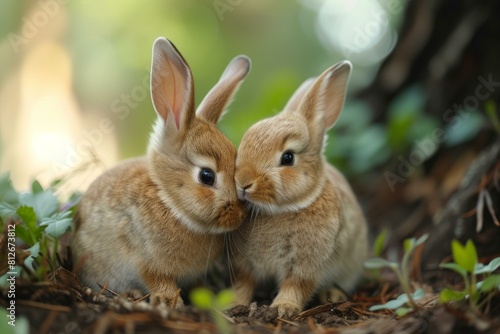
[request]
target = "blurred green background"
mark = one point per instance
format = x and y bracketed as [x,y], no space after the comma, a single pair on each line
[73,75]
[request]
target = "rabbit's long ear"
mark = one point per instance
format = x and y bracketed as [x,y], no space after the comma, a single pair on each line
[172,88]
[323,102]
[294,102]
[215,102]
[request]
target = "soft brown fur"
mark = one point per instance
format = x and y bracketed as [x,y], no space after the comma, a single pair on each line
[306,229]
[150,223]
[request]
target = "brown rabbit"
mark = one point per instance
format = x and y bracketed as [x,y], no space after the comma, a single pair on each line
[306,229]
[157,222]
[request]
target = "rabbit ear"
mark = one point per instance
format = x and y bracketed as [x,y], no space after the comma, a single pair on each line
[172,89]
[215,102]
[323,102]
[294,102]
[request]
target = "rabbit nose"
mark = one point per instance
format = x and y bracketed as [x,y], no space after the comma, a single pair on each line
[242,190]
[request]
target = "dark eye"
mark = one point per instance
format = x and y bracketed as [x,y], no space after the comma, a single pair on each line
[207,176]
[287,159]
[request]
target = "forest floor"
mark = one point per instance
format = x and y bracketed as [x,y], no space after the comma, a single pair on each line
[63,305]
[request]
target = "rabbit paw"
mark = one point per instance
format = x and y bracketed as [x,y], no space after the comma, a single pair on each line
[133,295]
[171,301]
[286,309]
[332,295]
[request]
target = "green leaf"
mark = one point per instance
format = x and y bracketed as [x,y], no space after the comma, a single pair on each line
[44,203]
[202,298]
[450,295]
[22,325]
[471,122]
[32,233]
[225,298]
[7,209]
[356,116]
[5,328]
[380,242]
[491,267]
[28,262]
[7,192]
[478,268]
[455,267]
[58,224]
[490,283]
[491,111]
[404,112]
[421,240]
[411,243]
[72,202]
[36,187]
[398,129]
[392,304]
[465,257]
[418,294]
[408,245]
[55,183]
[368,149]
[494,264]
[471,253]
[402,311]
[28,216]
[23,233]
[378,262]
[421,132]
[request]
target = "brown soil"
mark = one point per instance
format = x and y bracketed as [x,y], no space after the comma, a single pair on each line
[63,305]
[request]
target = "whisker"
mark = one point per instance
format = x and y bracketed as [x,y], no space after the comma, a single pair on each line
[227,245]
[253,216]
[208,260]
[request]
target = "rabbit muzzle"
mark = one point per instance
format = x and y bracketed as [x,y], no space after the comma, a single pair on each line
[230,216]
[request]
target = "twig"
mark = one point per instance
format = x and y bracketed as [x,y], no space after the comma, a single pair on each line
[313,311]
[47,323]
[364,312]
[184,326]
[105,288]
[44,306]
[277,330]
[228,318]
[383,293]
[313,327]
[288,322]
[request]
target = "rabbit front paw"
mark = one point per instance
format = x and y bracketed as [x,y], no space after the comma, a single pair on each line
[287,309]
[133,295]
[171,301]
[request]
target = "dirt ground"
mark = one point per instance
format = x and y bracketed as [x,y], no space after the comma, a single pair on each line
[63,305]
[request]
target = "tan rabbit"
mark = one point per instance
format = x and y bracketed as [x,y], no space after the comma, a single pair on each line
[157,222]
[306,229]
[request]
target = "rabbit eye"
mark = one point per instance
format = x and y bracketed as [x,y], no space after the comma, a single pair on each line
[207,176]
[287,159]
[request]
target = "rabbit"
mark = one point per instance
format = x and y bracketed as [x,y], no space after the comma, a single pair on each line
[154,223]
[305,228]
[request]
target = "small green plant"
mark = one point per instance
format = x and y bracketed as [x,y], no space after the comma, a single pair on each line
[205,299]
[492,112]
[378,248]
[34,222]
[22,324]
[405,302]
[380,242]
[478,293]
